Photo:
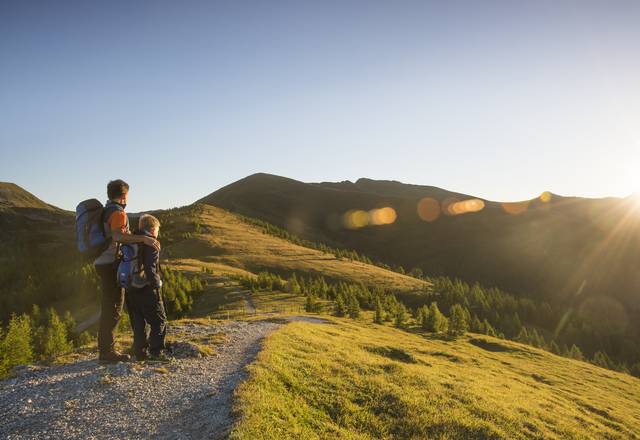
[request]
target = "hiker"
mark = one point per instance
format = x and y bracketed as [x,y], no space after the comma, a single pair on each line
[116,229]
[143,297]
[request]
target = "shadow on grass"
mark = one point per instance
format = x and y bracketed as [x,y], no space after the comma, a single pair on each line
[394,353]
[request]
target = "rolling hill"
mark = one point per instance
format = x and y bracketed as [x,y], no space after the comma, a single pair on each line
[551,247]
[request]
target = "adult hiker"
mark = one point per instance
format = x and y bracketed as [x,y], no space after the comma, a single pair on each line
[116,229]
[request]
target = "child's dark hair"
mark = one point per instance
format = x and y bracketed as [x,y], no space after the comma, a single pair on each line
[116,188]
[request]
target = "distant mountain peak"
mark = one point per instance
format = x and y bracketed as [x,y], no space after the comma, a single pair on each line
[14,196]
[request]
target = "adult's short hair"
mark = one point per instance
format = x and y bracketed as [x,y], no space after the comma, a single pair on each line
[147,222]
[116,188]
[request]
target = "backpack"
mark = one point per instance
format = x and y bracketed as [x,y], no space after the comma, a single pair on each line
[91,238]
[130,270]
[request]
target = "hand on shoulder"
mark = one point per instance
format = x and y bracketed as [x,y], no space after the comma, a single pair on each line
[150,241]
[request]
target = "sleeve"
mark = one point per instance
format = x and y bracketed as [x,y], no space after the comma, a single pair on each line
[151,269]
[118,221]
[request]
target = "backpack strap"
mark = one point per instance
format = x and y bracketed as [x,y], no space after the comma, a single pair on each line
[140,256]
[109,209]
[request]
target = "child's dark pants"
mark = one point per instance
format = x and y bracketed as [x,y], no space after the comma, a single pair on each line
[145,306]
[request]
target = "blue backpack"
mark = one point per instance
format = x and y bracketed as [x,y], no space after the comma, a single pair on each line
[90,234]
[130,270]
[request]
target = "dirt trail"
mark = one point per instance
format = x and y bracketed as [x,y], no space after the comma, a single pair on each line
[184,399]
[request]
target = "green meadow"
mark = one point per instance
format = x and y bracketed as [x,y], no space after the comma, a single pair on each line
[354,380]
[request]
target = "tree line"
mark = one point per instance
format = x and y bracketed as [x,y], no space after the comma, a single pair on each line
[38,337]
[450,307]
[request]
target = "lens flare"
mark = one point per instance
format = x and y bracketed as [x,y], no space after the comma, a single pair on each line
[429,209]
[356,219]
[516,208]
[383,216]
[546,197]
[467,206]
[448,204]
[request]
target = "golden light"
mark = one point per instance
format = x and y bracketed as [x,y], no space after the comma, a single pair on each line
[546,197]
[356,219]
[448,204]
[383,216]
[467,206]
[429,209]
[516,208]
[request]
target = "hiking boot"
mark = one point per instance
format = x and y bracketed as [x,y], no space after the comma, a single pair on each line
[113,357]
[159,357]
[141,356]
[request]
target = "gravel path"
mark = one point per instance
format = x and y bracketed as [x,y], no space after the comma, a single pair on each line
[185,399]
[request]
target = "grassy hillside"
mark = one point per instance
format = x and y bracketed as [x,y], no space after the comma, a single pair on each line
[217,239]
[352,380]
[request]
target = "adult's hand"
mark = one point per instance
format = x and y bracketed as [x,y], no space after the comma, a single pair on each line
[150,241]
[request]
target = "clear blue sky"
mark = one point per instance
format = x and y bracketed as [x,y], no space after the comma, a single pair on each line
[498,99]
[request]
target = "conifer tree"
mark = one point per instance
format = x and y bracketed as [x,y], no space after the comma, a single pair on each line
[353,307]
[436,321]
[293,285]
[341,307]
[458,324]
[16,348]
[377,317]
[488,329]
[70,326]
[311,305]
[602,360]
[523,336]
[476,325]
[554,348]
[55,340]
[576,353]
[400,315]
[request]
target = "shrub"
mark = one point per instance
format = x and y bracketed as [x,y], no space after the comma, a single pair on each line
[16,348]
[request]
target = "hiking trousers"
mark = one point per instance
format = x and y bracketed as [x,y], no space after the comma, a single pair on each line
[145,307]
[112,302]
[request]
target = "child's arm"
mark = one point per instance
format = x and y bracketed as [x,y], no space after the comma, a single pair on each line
[151,268]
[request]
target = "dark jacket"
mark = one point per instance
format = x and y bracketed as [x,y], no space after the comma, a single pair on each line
[150,260]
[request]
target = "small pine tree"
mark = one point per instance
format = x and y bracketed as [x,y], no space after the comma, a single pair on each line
[16,348]
[554,348]
[576,353]
[353,307]
[85,338]
[437,321]
[488,329]
[55,340]
[293,285]
[400,315]
[378,315]
[476,325]
[340,308]
[196,284]
[523,336]
[70,326]
[601,359]
[423,316]
[458,324]
[311,305]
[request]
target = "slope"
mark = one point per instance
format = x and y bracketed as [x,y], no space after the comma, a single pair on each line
[206,236]
[362,381]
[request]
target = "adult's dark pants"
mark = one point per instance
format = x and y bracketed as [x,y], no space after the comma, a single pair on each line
[112,301]
[145,306]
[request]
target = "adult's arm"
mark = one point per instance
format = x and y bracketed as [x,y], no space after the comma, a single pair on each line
[119,231]
[126,237]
